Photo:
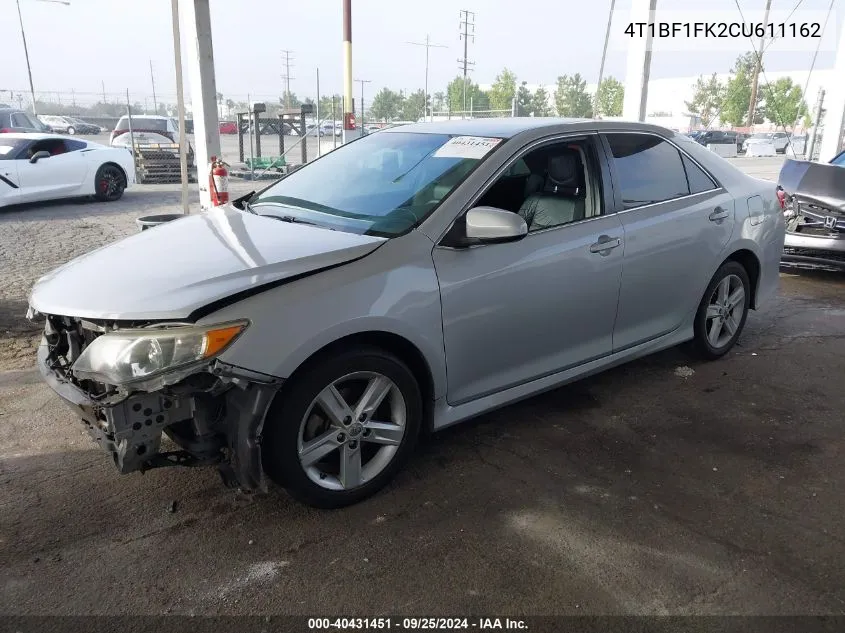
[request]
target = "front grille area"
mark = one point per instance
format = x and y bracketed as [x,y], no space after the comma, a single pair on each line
[67,338]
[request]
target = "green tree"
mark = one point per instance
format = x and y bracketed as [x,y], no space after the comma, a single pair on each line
[439,101]
[289,100]
[326,113]
[611,95]
[707,98]
[784,102]
[476,98]
[524,100]
[540,102]
[572,98]
[413,106]
[386,105]
[503,91]
[738,93]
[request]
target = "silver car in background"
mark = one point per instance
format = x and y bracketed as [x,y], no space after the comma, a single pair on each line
[407,281]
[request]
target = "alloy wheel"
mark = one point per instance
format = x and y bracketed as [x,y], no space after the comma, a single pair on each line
[352,430]
[725,311]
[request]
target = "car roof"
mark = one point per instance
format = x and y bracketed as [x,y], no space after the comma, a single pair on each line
[147,116]
[511,126]
[31,136]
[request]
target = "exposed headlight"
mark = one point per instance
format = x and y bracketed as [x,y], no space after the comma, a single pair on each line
[119,358]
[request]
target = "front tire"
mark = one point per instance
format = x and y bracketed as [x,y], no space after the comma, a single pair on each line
[71,130]
[343,427]
[109,183]
[722,312]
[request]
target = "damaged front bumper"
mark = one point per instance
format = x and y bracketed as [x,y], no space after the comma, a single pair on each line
[214,414]
[814,234]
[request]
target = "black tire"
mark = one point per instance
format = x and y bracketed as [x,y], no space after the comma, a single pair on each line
[71,130]
[701,342]
[280,453]
[109,183]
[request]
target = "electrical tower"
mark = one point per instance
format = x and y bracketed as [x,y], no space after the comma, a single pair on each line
[286,77]
[467,31]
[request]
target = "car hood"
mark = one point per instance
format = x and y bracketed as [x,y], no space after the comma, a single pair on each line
[171,270]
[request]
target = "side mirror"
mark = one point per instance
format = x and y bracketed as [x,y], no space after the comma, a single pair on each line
[39,155]
[489,224]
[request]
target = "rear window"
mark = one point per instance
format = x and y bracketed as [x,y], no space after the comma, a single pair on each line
[142,123]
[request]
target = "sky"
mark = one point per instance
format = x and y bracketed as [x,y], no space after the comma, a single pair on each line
[111,43]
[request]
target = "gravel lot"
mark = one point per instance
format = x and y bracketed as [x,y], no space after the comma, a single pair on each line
[664,486]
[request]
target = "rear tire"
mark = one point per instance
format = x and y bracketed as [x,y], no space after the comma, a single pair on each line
[71,130]
[722,312]
[109,183]
[332,459]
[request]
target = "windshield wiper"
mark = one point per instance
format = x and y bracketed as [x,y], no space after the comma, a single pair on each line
[243,203]
[294,220]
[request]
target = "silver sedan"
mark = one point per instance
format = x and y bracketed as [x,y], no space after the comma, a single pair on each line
[409,280]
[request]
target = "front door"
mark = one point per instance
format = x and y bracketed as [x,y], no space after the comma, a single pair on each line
[522,310]
[59,174]
[677,222]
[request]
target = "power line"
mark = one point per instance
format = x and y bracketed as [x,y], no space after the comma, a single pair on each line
[427,45]
[286,77]
[467,31]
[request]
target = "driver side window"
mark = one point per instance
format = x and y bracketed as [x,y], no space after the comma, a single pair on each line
[550,186]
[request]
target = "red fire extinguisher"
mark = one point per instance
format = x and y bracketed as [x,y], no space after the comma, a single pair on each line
[218,182]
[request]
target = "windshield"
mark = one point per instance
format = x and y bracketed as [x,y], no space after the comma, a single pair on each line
[383,184]
[10,147]
[839,160]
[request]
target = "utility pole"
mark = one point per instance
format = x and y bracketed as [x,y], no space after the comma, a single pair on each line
[73,98]
[467,31]
[816,121]
[603,57]
[427,45]
[362,82]
[103,83]
[350,131]
[286,77]
[758,66]
[26,55]
[180,103]
[153,79]
[638,68]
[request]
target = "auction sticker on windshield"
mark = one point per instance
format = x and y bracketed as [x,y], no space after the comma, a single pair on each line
[467,147]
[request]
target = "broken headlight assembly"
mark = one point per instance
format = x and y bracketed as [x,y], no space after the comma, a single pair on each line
[124,356]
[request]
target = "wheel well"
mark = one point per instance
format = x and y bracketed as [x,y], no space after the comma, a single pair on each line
[122,171]
[401,347]
[749,261]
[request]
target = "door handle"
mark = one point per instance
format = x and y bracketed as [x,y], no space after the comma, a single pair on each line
[605,244]
[718,214]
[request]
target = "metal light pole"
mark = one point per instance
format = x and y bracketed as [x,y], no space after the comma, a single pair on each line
[427,45]
[26,50]
[362,82]
[603,58]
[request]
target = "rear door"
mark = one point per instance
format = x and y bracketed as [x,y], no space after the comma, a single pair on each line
[677,222]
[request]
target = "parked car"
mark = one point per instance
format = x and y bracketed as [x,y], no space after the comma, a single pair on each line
[778,139]
[228,127]
[718,137]
[148,129]
[84,127]
[813,198]
[13,120]
[36,167]
[69,125]
[302,333]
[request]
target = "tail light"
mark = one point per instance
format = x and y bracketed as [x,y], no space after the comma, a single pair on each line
[781,198]
[4,130]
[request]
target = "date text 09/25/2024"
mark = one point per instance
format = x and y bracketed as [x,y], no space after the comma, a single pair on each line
[724,29]
[416,624]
